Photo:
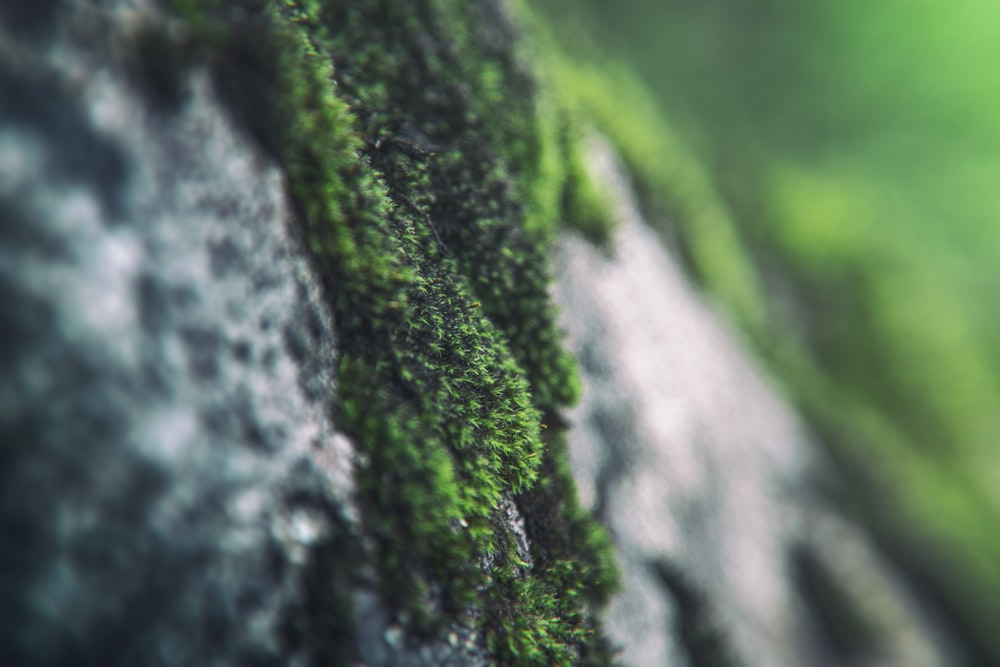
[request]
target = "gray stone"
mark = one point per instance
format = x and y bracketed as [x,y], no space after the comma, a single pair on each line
[705,480]
[169,469]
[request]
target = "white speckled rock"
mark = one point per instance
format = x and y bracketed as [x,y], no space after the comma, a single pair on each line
[698,469]
[167,380]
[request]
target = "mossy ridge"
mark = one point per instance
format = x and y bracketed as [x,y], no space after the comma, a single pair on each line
[420,82]
[429,388]
[456,133]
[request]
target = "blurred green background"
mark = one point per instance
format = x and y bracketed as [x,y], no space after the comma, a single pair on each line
[832,172]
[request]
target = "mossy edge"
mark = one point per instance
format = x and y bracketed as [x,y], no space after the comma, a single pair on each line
[450,370]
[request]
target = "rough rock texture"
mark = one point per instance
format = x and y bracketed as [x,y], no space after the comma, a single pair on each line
[709,487]
[168,376]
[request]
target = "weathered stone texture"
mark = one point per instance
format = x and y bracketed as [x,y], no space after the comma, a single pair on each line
[168,462]
[708,484]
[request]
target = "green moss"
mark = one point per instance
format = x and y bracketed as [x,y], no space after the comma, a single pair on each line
[428,176]
[677,196]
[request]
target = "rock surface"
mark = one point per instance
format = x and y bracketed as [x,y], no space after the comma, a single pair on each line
[708,484]
[167,379]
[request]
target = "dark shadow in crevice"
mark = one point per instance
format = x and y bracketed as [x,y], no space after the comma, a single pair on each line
[318,626]
[841,629]
[40,104]
[34,19]
[695,626]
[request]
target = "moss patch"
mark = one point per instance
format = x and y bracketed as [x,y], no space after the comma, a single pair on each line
[428,176]
[676,195]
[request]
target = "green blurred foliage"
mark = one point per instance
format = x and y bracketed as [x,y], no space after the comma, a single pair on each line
[853,150]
